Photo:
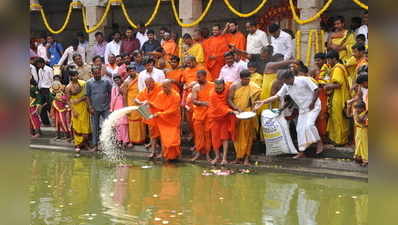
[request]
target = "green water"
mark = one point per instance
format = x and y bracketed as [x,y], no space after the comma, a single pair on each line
[69,190]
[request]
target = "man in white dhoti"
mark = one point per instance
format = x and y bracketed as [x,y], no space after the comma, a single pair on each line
[304,93]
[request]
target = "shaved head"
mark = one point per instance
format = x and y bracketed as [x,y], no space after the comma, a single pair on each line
[150,83]
[167,85]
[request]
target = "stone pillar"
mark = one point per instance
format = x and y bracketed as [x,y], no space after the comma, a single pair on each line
[94,10]
[308,8]
[189,11]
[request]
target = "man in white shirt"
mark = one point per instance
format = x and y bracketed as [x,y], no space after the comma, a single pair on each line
[141,34]
[44,82]
[42,49]
[230,72]
[256,39]
[281,41]
[364,28]
[150,71]
[74,49]
[113,47]
[304,93]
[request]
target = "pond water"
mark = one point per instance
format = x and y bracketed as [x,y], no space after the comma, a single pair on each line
[66,189]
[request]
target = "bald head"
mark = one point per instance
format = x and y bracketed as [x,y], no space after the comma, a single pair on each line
[167,85]
[219,86]
[149,83]
[190,61]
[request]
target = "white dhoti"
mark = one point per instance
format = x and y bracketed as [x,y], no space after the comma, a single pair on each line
[307,133]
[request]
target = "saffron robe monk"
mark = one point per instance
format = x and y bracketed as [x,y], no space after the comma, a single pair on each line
[222,120]
[201,123]
[189,80]
[169,47]
[234,37]
[242,96]
[148,94]
[215,49]
[167,118]
[77,99]
[175,74]
[136,126]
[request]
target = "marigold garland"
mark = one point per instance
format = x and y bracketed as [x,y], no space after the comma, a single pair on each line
[197,21]
[309,20]
[361,4]
[150,20]
[309,48]
[236,12]
[179,22]
[298,45]
[45,21]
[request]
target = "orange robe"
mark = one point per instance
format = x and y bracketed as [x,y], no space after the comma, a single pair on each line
[168,122]
[238,40]
[175,75]
[222,122]
[201,123]
[170,48]
[146,95]
[215,46]
[136,126]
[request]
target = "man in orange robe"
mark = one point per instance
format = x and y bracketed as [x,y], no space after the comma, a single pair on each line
[169,47]
[222,120]
[175,74]
[168,119]
[234,37]
[215,48]
[130,91]
[200,99]
[145,96]
[189,80]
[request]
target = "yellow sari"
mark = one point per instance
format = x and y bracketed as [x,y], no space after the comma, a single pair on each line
[266,86]
[136,125]
[197,51]
[348,40]
[351,65]
[338,125]
[246,130]
[81,122]
[361,139]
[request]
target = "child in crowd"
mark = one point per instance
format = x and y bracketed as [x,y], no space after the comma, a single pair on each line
[361,133]
[255,77]
[35,105]
[117,102]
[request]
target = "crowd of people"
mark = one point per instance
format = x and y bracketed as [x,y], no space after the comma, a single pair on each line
[203,81]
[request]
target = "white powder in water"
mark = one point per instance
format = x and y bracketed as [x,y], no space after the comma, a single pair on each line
[108,141]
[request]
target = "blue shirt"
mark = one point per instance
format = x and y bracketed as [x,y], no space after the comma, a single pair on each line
[138,67]
[55,53]
[150,46]
[99,93]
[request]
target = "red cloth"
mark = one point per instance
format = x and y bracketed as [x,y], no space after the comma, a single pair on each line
[129,46]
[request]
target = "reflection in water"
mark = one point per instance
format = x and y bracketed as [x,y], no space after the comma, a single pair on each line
[68,190]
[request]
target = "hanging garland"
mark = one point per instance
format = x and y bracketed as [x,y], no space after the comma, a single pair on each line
[101,20]
[197,21]
[150,20]
[47,25]
[179,22]
[298,44]
[360,4]
[309,48]
[309,20]
[232,9]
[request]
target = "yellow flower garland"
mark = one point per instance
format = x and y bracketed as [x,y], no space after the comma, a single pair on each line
[309,48]
[150,20]
[232,9]
[309,20]
[45,21]
[179,22]
[100,22]
[361,4]
[197,21]
[298,45]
